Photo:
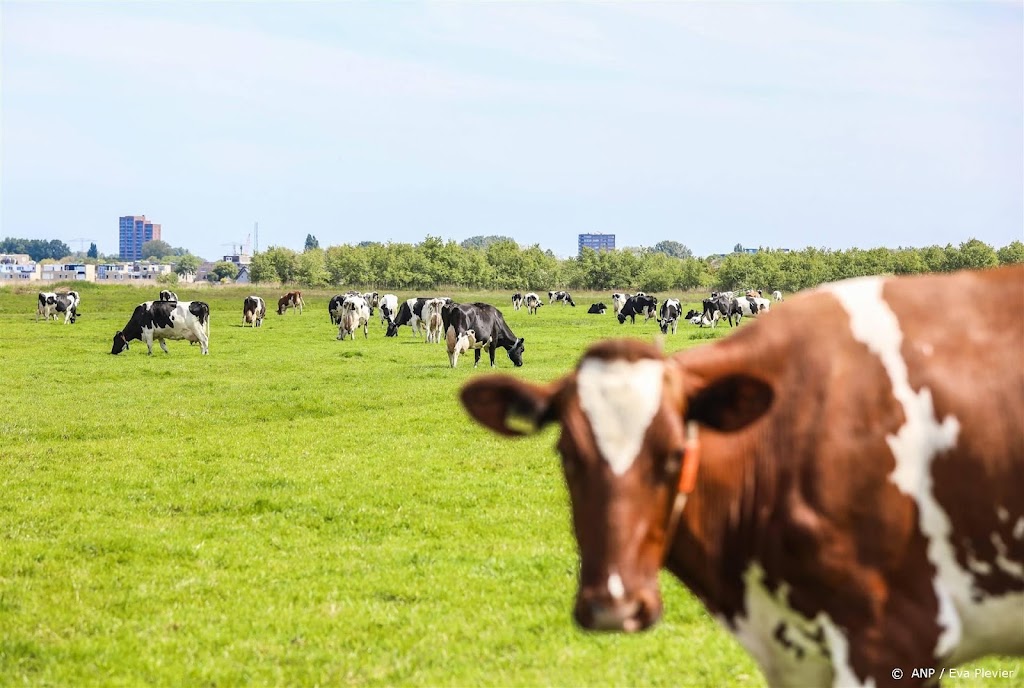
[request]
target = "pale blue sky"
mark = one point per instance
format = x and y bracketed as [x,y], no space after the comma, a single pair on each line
[784,124]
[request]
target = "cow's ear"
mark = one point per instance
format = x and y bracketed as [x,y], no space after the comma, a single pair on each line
[507,405]
[730,403]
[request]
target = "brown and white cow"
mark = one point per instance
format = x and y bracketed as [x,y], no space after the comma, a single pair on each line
[292,299]
[846,500]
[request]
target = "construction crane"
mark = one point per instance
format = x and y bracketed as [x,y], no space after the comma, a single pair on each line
[81,243]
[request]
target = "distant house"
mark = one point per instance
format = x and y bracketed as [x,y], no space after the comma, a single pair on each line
[130,272]
[243,275]
[58,272]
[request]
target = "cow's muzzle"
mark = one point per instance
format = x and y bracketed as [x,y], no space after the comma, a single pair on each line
[596,610]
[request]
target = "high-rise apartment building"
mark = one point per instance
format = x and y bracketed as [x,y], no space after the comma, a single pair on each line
[598,242]
[135,230]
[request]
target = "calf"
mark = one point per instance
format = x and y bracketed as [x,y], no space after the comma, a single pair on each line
[292,299]
[489,329]
[168,295]
[562,296]
[162,320]
[597,309]
[532,302]
[669,317]
[46,306]
[638,305]
[254,309]
[458,345]
[431,308]
[845,499]
[517,301]
[777,295]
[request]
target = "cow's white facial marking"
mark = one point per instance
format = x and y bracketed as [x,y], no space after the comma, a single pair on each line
[615,587]
[839,647]
[971,627]
[620,399]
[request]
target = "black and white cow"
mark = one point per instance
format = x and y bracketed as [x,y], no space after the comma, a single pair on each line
[68,305]
[597,309]
[372,300]
[646,306]
[618,301]
[388,308]
[752,305]
[562,296]
[532,302]
[47,305]
[517,301]
[254,309]
[721,306]
[669,316]
[334,308]
[162,320]
[777,295]
[411,313]
[488,328]
[168,295]
[355,313]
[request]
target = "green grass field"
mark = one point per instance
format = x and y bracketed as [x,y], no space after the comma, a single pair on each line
[295,510]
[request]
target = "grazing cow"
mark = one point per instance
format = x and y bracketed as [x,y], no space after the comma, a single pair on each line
[46,305]
[431,308]
[254,309]
[532,302]
[489,327]
[597,309]
[562,296]
[409,313]
[751,305]
[458,345]
[388,308]
[168,295]
[517,301]
[846,500]
[646,306]
[292,299]
[777,295]
[162,320]
[355,313]
[669,316]
[618,301]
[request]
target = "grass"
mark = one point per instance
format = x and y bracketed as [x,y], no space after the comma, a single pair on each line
[295,510]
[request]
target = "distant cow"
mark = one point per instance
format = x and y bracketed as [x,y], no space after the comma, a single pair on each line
[355,313]
[489,329]
[638,305]
[618,301]
[372,300]
[597,309]
[162,320]
[254,309]
[431,308]
[168,295]
[334,308]
[562,296]
[68,305]
[777,295]
[517,301]
[292,299]
[46,305]
[721,306]
[409,313]
[669,316]
[388,308]
[532,302]
[844,498]
[752,305]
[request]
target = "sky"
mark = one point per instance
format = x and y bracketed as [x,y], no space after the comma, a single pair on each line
[836,125]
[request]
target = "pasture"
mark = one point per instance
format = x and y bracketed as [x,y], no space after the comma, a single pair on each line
[296,510]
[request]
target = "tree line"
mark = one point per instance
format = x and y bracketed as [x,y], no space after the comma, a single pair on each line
[500,263]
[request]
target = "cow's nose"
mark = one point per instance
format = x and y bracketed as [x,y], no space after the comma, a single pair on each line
[629,613]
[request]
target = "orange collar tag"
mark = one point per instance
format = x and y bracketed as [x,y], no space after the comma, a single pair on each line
[691,460]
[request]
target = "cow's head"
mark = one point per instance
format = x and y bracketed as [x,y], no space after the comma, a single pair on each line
[515,352]
[664,325]
[392,328]
[622,415]
[120,343]
[622,318]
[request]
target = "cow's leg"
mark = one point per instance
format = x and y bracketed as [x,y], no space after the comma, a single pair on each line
[148,338]
[204,341]
[163,345]
[490,350]
[476,357]
[366,329]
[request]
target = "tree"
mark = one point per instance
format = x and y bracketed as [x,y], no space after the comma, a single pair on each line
[1011,253]
[311,242]
[168,279]
[157,248]
[222,270]
[186,265]
[484,242]
[738,248]
[93,252]
[672,248]
[37,249]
